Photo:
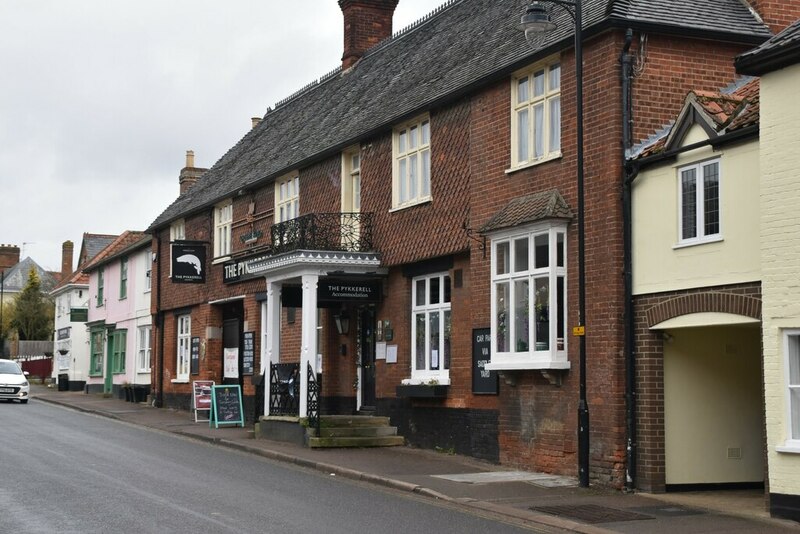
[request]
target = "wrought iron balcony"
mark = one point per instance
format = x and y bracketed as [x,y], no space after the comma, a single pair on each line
[348,232]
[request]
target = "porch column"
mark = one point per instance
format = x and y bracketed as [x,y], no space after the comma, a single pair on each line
[308,351]
[272,322]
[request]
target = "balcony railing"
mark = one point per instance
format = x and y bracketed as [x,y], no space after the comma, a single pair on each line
[347,232]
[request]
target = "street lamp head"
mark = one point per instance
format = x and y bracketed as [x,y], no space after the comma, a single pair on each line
[536,21]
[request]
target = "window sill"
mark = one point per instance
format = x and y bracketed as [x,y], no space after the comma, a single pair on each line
[418,202]
[426,391]
[528,365]
[180,381]
[534,163]
[791,447]
[695,242]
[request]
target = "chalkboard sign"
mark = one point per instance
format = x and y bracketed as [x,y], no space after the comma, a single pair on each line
[484,382]
[249,353]
[226,406]
[195,356]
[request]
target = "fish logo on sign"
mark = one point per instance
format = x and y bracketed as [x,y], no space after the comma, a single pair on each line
[192,260]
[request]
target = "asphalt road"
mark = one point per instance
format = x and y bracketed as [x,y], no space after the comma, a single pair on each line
[64,471]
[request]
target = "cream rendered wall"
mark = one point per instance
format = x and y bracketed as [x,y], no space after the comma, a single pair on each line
[659,265]
[780,260]
[712,402]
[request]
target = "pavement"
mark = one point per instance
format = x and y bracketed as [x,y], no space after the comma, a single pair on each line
[542,502]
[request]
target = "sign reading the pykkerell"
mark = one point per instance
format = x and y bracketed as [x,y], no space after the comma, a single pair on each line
[188,263]
[239,271]
[350,290]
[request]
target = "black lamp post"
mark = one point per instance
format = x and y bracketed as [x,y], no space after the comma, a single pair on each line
[537,22]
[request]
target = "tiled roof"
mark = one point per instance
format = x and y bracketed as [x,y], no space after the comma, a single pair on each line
[726,111]
[780,51]
[17,276]
[126,242]
[463,44]
[92,245]
[528,209]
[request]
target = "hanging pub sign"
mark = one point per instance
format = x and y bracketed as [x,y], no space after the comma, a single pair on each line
[484,382]
[349,290]
[188,263]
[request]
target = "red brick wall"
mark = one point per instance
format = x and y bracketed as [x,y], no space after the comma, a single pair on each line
[366,23]
[651,471]
[777,14]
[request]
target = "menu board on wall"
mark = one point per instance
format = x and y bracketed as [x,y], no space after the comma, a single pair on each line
[195,356]
[248,352]
[484,382]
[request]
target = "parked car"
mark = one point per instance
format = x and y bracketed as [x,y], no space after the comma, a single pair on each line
[13,382]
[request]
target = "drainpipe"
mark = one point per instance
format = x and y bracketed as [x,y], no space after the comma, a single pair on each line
[630,351]
[159,320]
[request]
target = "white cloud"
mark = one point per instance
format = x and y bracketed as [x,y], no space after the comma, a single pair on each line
[100,99]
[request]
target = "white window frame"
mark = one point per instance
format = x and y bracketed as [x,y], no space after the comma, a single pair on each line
[445,320]
[524,103]
[411,163]
[183,326]
[526,353]
[287,198]
[177,230]
[791,360]
[699,197]
[143,349]
[223,221]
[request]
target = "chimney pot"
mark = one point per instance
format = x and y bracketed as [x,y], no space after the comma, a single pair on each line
[190,158]
[189,174]
[255,121]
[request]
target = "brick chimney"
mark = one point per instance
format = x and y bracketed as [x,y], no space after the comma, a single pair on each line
[67,250]
[9,256]
[189,174]
[366,23]
[777,14]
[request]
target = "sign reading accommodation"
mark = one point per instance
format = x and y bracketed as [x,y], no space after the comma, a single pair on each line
[484,382]
[350,290]
[188,263]
[248,353]
[226,406]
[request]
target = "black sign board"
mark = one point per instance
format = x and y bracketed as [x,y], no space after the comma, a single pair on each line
[188,263]
[484,382]
[249,353]
[226,406]
[195,356]
[349,290]
[63,333]
[240,270]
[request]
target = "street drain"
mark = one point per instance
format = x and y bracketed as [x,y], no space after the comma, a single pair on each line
[591,513]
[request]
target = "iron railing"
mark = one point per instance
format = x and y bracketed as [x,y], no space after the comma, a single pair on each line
[312,397]
[347,232]
[284,389]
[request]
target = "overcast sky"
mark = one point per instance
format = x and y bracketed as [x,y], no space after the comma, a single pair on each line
[100,99]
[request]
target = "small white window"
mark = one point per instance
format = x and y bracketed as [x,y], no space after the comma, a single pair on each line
[430,329]
[184,347]
[177,230]
[287,199]
[223,217]
[792,372]
[699,194]
[536,115]
[412,163]
[143,358]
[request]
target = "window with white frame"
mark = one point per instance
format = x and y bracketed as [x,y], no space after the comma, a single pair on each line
[699,194]
[536,115]
[184,347]
[123,278]
[223,218]
[287,198]
[529,298]
[412,163]
[143,349]
[430,328]
[792,372]
[177,230]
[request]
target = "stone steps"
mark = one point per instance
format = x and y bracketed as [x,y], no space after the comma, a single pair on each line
[353,431]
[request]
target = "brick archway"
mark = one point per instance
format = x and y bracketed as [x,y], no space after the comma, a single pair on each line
[709,301]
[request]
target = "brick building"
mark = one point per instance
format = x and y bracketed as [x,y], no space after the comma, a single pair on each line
[405,226]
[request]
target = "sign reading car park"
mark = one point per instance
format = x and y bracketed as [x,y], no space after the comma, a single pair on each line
[188,263]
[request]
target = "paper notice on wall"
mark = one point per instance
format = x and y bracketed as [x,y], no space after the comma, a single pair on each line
[380,351]
[434,359]
[231,362]
[391,354]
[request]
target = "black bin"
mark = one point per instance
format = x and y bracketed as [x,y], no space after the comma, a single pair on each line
[63,382]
